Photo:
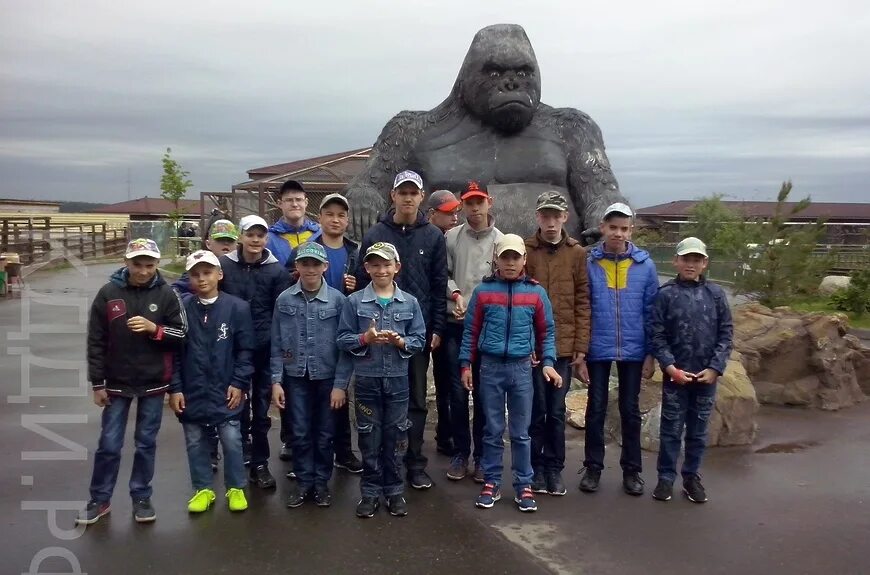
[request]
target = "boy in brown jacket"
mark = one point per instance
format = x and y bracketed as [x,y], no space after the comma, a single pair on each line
[558,263]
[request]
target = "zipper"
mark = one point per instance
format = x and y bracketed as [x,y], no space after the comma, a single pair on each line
[507,331]
[618,321]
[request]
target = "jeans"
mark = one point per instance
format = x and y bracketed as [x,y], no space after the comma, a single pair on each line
[548,419]
[107,459]
[382,424]
[418,365]
[445,362]
[199,444]
[684,407]
[259,422]
[459,398]
[313,426]
[629,412]
[512,380]
[341,438]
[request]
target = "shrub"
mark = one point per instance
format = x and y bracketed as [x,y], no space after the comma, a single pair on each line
[856,297]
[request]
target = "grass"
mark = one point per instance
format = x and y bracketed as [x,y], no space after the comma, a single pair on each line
[175,267]
[824,305]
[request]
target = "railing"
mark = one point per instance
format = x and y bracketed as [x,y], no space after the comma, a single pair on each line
[39,239]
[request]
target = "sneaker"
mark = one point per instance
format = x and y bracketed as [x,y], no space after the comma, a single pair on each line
[539,484]
[419,479]
[478,472]
[201,501]
[349,462]
[525,500]
[261,476]
[296,497]
[458,468]
[555,486]
[290,473]
[367,507]
[488,496]
[694,490]
[236,499]
[286,453]
[664,490]
[246,453]
[92,513]
[590,479]
[632,483]
[397,506]
[446,448]
[143,511]
[322,497]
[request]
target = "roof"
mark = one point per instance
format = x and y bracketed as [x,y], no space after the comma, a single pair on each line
[828,210]
[290,167]
[150,206]
[27,202]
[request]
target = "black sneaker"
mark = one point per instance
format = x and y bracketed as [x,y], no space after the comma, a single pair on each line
[322,497]
[589,481]
[419,479]
[632,483]
[296,497]
[367,507]
[92,513]
[349,462]
[397,506]
[445,448]
[664,490]
[694,490]
[261,476]
[143,511]
[539,483]
[290,473]
[286,454]
[555,486]
[246,453]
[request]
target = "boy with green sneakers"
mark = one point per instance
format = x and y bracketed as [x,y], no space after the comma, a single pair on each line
[210,380]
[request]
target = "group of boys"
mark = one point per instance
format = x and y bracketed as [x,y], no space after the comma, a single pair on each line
[506,319]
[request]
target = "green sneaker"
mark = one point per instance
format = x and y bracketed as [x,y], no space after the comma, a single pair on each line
[201,501]
[236,499]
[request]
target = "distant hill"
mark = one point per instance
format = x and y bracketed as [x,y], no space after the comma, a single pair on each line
[79,207]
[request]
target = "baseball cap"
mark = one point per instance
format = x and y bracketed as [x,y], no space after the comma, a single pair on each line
[223,229]
[311,250]
[443,201]
[201,257]
[384,250]
[142,247]
[291,186]
[473,190]
[691,246]
[335,198]
[510,242]
[618,208]
[551,201]
[408,176]
[252,220]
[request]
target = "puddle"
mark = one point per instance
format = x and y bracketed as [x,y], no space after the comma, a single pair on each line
[791,447]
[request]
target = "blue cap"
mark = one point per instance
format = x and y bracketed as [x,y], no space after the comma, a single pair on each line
[311,250]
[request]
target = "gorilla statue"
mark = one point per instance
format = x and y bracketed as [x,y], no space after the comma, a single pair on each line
[493,129]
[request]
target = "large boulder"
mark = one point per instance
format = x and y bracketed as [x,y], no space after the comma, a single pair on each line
[733,419]
[831,284]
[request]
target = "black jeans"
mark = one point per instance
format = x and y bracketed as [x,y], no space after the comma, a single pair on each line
[444,363]
[548,419]
[255,420]
[459,416]
[629,412]
[342,439]
[418,365]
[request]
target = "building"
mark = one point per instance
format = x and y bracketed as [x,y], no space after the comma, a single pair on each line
[10,206]
[153,209]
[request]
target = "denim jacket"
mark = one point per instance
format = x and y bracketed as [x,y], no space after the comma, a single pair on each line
[402,315]
[304,335]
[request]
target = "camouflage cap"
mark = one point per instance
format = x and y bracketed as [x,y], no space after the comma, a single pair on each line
[383,250]
[551,201]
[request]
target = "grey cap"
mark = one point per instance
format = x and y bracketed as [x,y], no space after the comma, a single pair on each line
[335,198]
[618,208]
[691,246]
[443,201]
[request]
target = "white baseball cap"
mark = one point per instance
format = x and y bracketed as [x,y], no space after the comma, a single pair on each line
[691,246]
[510,242]
[618,208]
[252,220]
[142,247]
[201,257]
[408,176]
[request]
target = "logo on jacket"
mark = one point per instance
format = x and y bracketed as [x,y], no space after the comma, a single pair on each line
[152,307]
[222,331]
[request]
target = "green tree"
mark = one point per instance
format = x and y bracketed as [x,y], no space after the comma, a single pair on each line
[174,185]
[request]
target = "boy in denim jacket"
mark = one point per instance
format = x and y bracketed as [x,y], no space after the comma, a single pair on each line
[382,327]
[305,364]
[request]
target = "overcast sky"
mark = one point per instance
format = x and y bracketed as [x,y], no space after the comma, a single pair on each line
[693,98]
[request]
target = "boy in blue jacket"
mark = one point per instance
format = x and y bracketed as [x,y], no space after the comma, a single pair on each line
[691,335]
[208,385]
[305,363]
[509,323]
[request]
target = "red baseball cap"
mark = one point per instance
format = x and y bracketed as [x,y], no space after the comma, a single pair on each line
[474,190]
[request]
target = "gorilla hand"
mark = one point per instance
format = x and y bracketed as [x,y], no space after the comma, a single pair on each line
[590,236]
[366,206]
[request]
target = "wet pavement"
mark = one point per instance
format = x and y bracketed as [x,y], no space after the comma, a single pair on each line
[798,501]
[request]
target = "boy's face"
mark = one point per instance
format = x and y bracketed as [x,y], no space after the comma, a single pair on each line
[142,270]
[550,222]
[253,240]
[381,271]
[616,231]
[310,272]
[333,219]
[444,221]
[476,211]
[293,205]
[510,264]
[690,266]
[204,279]
[220,246]
[407,199]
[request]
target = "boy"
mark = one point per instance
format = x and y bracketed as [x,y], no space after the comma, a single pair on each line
[222,239]
[382,327]
[253,274]
[558,262]
[622,286]
[135,328]
[690,335]
[305,359]
[210,380]
[293,228]
[509,322]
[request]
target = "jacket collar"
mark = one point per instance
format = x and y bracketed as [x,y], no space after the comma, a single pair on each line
[265,258]
[369,294]
[296,289]
[121,278]
[632,252]
[472,233]
[388,220]
[538,241]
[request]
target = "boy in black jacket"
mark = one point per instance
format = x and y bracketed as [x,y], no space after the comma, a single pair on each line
[135,328]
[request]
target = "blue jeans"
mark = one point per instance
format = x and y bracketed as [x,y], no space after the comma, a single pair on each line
[629,412]
[459,416]
[684,407]
[312,430]
[107,459]
[382,424]
[255,418]
[548,419]
[509,380]
[199,440]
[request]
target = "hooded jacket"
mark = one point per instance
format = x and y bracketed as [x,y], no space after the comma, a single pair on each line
[124,362]
[283,238]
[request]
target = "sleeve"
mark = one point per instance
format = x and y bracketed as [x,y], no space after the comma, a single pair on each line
[182,284]
[98,342]
[649,297]
[452,286]
[273,246]
[582,309]
[656,332]
[276,357]
[415,339]
[170,334]
[243,344]
[176,384]
[282,282]
[349,339]
[343,371]
[471,331]
[438,273]
[362,278]
[724,336]
[545,329]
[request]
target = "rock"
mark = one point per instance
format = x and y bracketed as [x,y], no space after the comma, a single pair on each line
[649,429]
[831,284]
[733,419]
[860,357]
[575,403]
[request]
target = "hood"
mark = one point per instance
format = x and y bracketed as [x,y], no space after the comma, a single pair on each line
[265,258]
[388,220]
[120,277]
[523,278]
[282,227]
[633,252]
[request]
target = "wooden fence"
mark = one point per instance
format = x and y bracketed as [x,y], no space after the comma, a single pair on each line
[40,239]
